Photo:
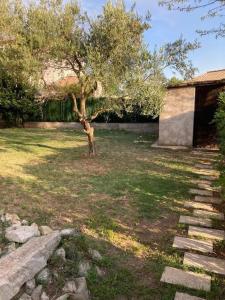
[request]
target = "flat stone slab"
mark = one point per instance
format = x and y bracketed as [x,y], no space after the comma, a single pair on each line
[182,296]
[195,221]
[205,172]
[209,177]
[207,233]
[208,214]
[200,192]
[204,166]
[185,278]
[192,244]
[199,205]
[25,262]
[208,187]
[215,200]
[211,264]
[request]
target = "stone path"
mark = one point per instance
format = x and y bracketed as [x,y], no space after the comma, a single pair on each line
[215,200]
[186,278]
[201,235]
[207,233]
[198,245]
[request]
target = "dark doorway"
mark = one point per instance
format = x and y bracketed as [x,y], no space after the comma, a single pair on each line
[206,101]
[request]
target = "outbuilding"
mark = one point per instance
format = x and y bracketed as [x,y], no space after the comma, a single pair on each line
[188,112]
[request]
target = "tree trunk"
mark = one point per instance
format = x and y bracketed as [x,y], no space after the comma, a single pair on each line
[90,134]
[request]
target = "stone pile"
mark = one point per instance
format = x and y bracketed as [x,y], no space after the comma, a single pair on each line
[24,270]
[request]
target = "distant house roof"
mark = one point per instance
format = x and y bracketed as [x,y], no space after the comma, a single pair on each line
[211,77]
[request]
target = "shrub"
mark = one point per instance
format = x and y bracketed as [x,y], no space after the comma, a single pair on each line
[220,122]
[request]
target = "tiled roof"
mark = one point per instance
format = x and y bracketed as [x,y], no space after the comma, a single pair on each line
[216,75]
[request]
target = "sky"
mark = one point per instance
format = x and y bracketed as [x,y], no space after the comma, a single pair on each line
[167,26]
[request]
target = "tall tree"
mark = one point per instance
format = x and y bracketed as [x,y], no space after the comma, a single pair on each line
[212,9]
[114,69]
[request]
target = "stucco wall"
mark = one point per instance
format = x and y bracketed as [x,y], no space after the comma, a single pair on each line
[151,128]
[177,118]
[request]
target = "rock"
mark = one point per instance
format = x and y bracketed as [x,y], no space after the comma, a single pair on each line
[82,292]
[24,222]
[25,297]
[100,272]
[61,253]
[83,268]
[63,297]
[45,230]
[11,247]
[44,296]
[70,287]
[69,232]
[11,219]
[30,286]
[36,294]
[21,234]
[95,255]
[44,276]
[25,262]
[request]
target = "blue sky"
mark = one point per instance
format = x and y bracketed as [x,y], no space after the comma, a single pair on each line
[167,26]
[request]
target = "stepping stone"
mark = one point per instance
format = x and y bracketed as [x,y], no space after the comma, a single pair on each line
[182,296]
[188,279]
[25,262]
[210,188]
[200,192]
[204,166]
[192,244]
[208,214]
[215,200]
[204,172]
[195,221]
[208,177]
[214,234]
[207,263]
[199,205]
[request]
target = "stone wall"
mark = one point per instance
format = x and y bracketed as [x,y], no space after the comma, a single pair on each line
[133,127]
[177,118]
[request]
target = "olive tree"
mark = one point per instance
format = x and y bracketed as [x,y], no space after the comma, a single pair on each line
[115,71]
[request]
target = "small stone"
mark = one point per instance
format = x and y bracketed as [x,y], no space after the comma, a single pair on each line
[11,247]
[44,296]
[12,219]
[70,287]
[45,230]
[95,255]
[44,276]
[82,292]
[36,294]
[25,297]
[61,253]
[69,232]
[21,234]
[100,272]
[30,286]
[84,268]
[24,222]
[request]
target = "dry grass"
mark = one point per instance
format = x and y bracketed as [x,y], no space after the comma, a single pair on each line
[126,200]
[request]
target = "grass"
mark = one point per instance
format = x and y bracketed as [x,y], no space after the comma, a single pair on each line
[126,202]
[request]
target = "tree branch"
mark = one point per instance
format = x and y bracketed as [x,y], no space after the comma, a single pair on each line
[75,108]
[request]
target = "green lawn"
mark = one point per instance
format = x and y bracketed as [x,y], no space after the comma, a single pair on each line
[126,201]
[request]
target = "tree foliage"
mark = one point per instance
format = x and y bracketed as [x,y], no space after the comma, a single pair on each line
[213,8]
